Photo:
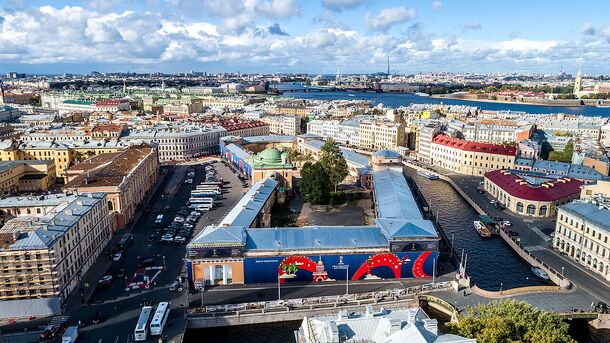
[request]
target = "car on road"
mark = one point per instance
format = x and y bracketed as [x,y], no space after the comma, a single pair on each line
[104,281]
[117,257]
[51,331]
[480,191]
[175,286]
[507,223]
[179,239]
[167,208]
[497,219]
[498,206]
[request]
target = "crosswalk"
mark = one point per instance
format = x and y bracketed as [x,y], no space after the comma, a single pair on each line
[533,248]
[540,233]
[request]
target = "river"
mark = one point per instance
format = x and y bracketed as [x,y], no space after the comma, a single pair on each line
[405,99]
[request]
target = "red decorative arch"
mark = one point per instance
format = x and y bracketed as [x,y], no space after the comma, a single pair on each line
[303,262]
[418,265]
[380,260]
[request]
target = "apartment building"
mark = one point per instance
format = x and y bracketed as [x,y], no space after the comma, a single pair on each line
[283,125]
[179,143]
[26,176]
[470,158]
[423,140]
[379,135]
[125,177]
[46,256]
[582,232]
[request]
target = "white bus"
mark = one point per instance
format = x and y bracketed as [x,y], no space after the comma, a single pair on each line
[196,200]
[159,319]
[141,330]
[215,190]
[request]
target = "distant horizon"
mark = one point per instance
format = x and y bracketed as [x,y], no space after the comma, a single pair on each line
[281,36]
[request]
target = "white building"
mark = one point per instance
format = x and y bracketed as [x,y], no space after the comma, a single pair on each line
[283,125]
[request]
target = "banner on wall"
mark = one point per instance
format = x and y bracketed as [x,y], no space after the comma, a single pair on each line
[320,268]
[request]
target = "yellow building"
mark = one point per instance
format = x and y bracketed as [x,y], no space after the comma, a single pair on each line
[470,158]
[26,176]
[599,187]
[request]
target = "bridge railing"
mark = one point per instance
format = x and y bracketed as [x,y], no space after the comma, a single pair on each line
[316,302]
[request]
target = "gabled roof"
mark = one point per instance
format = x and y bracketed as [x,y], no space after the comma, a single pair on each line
[221,236]
[400,228]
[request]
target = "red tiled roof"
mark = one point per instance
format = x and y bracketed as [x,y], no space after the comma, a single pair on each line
[462,144]
[108,102]
[551,190]
[108,127]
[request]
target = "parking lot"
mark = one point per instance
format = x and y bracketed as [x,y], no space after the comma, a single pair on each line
[148,257]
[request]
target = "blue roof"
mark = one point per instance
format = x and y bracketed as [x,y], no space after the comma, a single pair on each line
[386,154]
[393,196]
[576,171]
[590,212]
[315,238]
[238,151]
[400,228]
[349,155]
[249,206]
[221,236]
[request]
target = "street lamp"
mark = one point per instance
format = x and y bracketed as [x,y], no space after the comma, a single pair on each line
[280,277]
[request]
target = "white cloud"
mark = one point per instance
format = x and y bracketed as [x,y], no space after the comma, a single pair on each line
[339,5]
[389,17]
[437,5]
[473,25]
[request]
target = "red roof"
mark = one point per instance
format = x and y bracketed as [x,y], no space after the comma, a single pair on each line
[462,144]
[108,102]
[550,190]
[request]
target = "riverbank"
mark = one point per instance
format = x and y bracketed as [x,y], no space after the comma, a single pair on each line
[527,101]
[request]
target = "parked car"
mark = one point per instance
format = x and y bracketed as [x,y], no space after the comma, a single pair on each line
[507,223]
[117,257]
[175,286]
[104,281]
[512,233]
[179,239]
[179,219]
[480,191]
[51,331]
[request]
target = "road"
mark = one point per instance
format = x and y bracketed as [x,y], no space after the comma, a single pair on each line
[121,307]
[534,234]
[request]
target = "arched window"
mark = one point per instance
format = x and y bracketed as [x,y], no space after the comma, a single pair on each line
[520,207]
[110,206]
[531,209]
[542,210]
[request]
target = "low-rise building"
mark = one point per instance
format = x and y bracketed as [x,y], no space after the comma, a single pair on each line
[47,256]
[470,158]
[530,194]
[575,171]
[125,177]
[26,176]
[582,232]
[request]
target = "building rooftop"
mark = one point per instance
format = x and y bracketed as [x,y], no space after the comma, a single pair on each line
[269,138]
[393,197]
[238,151]
[108,169]
[591,212]
[386,154]
[533,186]
[349,155]
[249,206]
[462,144]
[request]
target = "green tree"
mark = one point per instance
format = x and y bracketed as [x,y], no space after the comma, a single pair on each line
[315,183]
[563,156]
[511,321]
[331,158]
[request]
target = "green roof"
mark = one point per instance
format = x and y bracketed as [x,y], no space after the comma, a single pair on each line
[79,102]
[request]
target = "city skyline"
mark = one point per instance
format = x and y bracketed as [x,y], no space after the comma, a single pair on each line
[299,36]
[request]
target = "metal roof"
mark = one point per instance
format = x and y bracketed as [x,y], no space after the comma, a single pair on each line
[349,155]
[220,236]
[269,138]
[315,238]
[238,151]
[400,228]
[249,206]
[393,196]
[590,212]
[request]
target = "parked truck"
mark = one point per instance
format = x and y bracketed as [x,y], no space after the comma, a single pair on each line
[70,335]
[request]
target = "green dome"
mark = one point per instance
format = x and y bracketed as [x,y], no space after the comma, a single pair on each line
[270,155]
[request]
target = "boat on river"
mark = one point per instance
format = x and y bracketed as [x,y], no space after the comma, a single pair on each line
[482,230]
[540,273]
[428,175]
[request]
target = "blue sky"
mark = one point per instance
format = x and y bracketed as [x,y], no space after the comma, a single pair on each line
[355,36]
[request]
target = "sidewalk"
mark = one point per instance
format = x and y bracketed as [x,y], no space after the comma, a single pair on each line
[80,297]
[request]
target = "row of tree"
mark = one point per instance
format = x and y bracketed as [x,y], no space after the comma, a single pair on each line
[319,179]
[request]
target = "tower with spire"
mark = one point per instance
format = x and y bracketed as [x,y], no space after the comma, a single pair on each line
[578,81]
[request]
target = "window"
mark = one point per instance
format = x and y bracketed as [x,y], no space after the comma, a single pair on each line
[542,210]
[531,209]
[520,207]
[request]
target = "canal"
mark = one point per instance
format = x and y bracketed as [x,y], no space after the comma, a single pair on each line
[491,263]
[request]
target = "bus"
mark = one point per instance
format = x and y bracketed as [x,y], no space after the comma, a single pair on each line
[204,194]
[196,200]
[125,241]
[214,190]
[212,183]
[159,220]
[141,330]
[159,319]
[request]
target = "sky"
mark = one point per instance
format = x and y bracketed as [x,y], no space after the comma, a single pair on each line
[315,36]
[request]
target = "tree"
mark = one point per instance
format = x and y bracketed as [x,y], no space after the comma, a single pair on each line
[315,183]
[563,156]
[511,321]
[331,158]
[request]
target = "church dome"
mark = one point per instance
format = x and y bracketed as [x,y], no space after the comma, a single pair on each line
[270,155]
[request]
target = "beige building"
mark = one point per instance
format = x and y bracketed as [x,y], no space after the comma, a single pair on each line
[26,176]
[378,135]
[125,177]
[582,232]
[595,188]
[530,194]
[470,158]
[283,125]
[47,256]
